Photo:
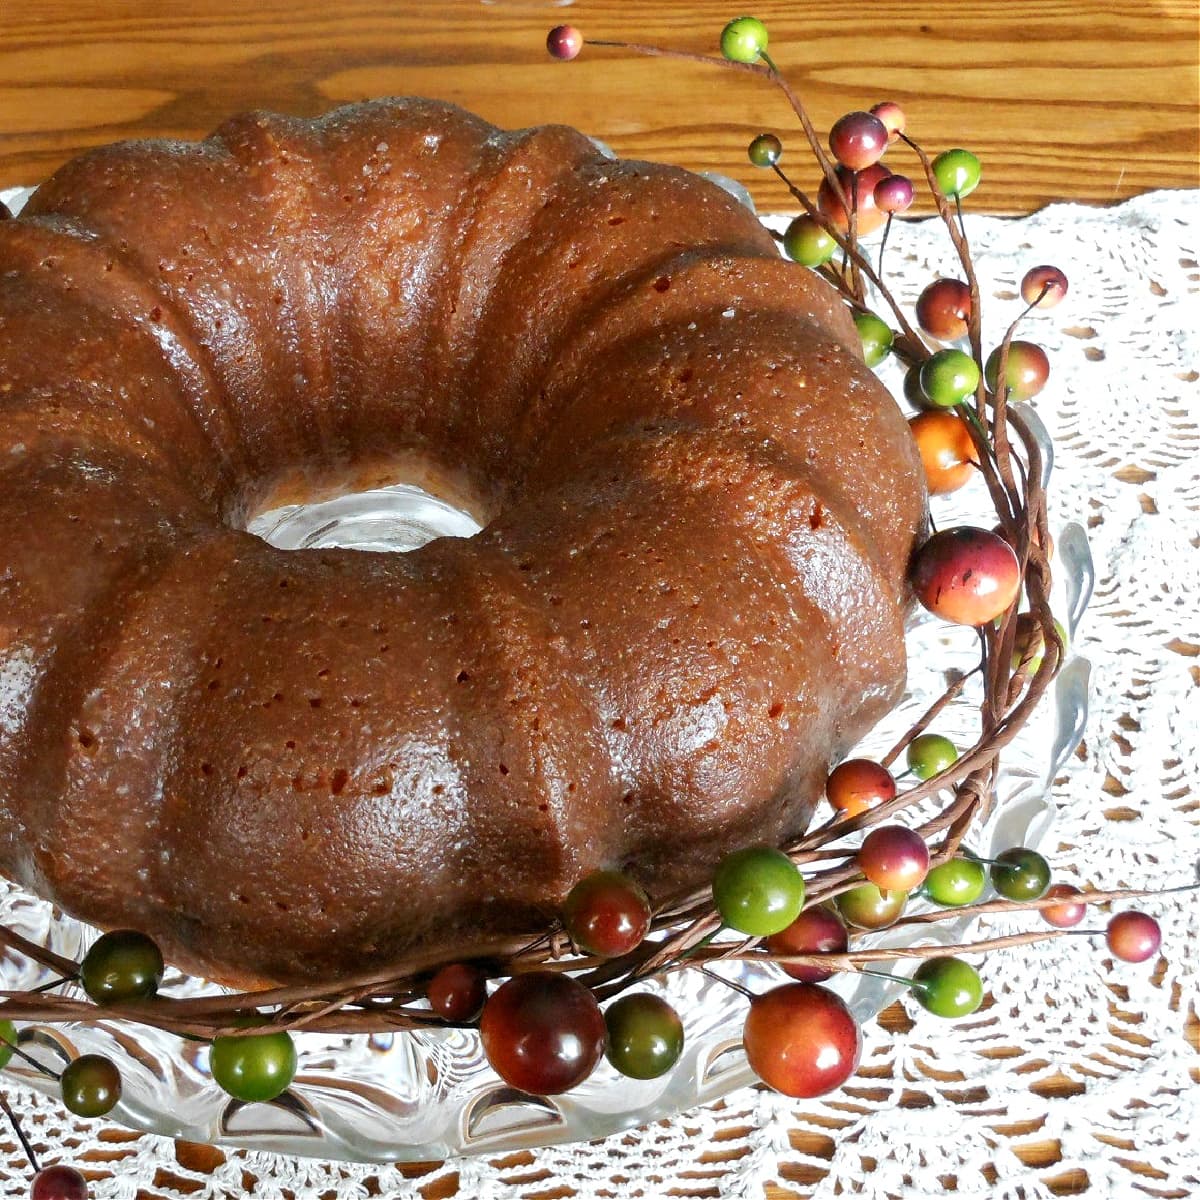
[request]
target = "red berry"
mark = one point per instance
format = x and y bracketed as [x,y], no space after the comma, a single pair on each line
[966,575]
[1026,370]
[1067,914]
[607,914]
[543,1032]
[457,992]
[817,930]
[859,784]
[801,1040]
[947,450]
[1133,936]
[564,42]
[1043,286]
[869,217]
[858,140]
[892,116]
[58,1183]
[894,194]
[894,858]
[944,308]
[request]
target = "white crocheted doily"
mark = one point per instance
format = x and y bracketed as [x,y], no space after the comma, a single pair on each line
[973,1107]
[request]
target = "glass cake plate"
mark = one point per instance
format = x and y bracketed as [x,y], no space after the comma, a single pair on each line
[430,1094]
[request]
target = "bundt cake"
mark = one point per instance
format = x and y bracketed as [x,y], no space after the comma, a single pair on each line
[688,596]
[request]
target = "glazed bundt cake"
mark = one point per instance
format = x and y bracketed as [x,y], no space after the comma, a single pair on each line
[688,597]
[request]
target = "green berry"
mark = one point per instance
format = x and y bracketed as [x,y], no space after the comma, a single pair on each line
[744,39]
[1020,874]
[8,1039]
[957,173]
[645,1036]
[956,882]
[930,754]
[876,337]
[758,891]
[256,1067]
[122,965]
[805,242]
[948,987]
[948,377]
[867,907]
[91,1085]
[765,151]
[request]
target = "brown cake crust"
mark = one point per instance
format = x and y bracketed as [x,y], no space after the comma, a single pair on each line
[687,601]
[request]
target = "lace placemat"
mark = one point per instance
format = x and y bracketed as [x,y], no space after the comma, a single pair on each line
[1078,1069]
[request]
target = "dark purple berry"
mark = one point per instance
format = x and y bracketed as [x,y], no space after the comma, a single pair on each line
[564,42]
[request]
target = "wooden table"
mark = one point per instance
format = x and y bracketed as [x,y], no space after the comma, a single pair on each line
[1091,100]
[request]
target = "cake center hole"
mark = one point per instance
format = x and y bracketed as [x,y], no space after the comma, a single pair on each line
[400,517]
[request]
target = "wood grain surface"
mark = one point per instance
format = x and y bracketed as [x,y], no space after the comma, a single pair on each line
[1092,100]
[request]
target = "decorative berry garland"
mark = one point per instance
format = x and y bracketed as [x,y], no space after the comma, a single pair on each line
[543,1030]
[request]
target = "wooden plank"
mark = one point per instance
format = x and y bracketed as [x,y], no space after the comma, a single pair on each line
[1062,99]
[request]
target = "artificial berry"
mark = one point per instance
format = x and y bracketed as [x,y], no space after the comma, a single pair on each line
[1025,372]
[894,194]
[645,1036]
[957,173]
[758,890]
[1029,643]
[256,1067]
[967,576]
[121,965]
[894,858]
[817,930]
[1069,913]
[947,450]
[1133,937]
[801,1040]
[944,309]
[948,377]
[564,42]
[59,1182]
[930,754]
[914,393]
[457,992]
[543,1032]
[805,242]
[876,337]
[892,116]
[859,187]
[607,914]
[859,784]
[765,151]
[91,1085]
[956,882]
[948,987]
[1020,874]
[744,39]
[858,140]
[1043,287]
[8,1040]
[866,907]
